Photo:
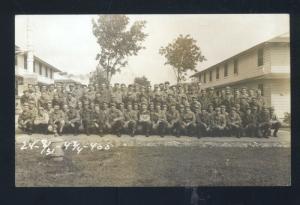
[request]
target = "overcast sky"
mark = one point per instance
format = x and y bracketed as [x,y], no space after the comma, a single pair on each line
[67,41]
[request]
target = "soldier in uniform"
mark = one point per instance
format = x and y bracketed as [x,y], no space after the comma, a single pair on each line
[203,120]
[187,123]
[116,120]
[234,123]
[275,123]
[87,118]
[100,119]
[26,119]
[159,121]
[73,120]
[249,124]
[173,118]
[131,118]
[41,121]
[218,123]
[144,121]
[25,98]
[56,120]
[264,123]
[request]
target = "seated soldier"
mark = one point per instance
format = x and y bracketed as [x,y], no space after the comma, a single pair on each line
[26,119]
[56,120]
[72,121]
[173,117]
[131,118]
[159,121]
[144,121]
[203,121]
[116,120]
[264,125]
[234,123]
[275,123]
[41,121]
[100,120]
[187,124]
[218,123]
[249,124]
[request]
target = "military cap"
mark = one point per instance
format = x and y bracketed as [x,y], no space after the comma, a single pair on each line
[123,84]
[25,104]
[254,107]
[272,108]
[117,84]
[187,105]
[217,108]
[211,88]
[143,103]
[112,104]
[25,91]
[121,103]
[222,106]
[167,82]
[196,106]
[248,108]
[161,84]
[233,108]
[130,85]
[181,105]
[156,86]
[183,96]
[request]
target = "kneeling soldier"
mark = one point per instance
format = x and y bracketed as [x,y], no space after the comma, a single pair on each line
[131,117]
[264,126]
[56,120]
[203,120]
[234,123]
[26,119]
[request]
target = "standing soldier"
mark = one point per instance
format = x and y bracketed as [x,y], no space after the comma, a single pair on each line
[26,119]
[56,120]
[87,118]
[131,118]
[218,123]
[204,99]
[234,123]
[275,123]
[144,121]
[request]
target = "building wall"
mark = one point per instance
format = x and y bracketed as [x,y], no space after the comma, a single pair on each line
[247,68]
[280,58]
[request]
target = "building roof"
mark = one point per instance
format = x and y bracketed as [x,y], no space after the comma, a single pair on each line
[19,49]
[283,38]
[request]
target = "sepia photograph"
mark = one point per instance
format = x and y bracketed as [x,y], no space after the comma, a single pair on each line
[152,100]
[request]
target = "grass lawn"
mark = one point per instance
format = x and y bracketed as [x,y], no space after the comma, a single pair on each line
[157,166]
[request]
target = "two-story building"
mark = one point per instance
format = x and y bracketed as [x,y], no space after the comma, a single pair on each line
[265,66]
[30,69]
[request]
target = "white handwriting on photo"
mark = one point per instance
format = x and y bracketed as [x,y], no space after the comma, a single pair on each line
[48,147]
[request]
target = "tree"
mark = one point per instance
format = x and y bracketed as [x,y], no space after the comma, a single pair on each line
[182,54]
[117,42]
[142,81]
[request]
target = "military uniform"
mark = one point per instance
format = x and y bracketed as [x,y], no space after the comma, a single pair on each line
[26,119]
[56,121]
[73,121]
[218,123]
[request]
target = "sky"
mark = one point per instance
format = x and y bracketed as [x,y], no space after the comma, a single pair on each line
[67,41]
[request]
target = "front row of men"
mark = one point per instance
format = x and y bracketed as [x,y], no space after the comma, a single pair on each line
[159,120]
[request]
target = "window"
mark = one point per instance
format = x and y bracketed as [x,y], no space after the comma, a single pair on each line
[235,67]
[260,57]
[46,71]
[204,77]
[40,69]
[261,88]
[25,61]
[51,74]
[217,73]
[33,66]
[225,70]
[210,75]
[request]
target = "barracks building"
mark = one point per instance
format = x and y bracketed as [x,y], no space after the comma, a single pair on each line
[265,66]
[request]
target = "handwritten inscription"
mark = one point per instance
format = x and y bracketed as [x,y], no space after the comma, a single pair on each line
[48,147]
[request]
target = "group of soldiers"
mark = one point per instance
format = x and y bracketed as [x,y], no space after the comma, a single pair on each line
[182,109]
